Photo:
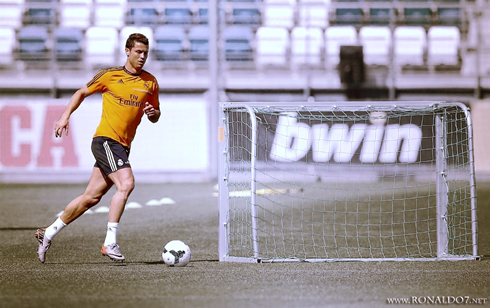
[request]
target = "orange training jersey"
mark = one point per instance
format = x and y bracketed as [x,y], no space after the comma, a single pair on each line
[123,98]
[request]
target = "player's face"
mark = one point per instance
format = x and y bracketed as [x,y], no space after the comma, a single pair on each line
[137,55]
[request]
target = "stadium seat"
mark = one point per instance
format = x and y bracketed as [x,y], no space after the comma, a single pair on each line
[33,44]
[68,44]
[272,45]
[177,15]
[449,16]
[118,2]
[199,43]
[348,16]
[417,16]
[409,45]
[306,47]
[142,16]
[376,42]
[86,2]
[313,14]
[127,31]
[246,16]
[202,16]
[336,36]
[7,44]
[109,13]
[170,42]
[238,44]
[11,13]
[381,16]
[278,15]
[443,45]
[75,14]
[100,46]
[40,12]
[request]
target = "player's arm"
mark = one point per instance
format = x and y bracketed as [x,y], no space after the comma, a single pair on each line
[152,112]
[75,101]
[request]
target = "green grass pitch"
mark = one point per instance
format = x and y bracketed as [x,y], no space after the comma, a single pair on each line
[76,275]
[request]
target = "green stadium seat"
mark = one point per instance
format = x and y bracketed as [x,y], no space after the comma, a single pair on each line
[381,16]
[449,16]
[417,16]
[349,16]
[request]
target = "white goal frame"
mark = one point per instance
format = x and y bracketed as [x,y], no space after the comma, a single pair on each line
[441,195]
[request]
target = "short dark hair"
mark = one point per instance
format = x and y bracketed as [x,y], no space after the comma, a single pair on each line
[136,37]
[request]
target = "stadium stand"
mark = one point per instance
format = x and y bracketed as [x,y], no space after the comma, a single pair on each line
[336,36]
[273,32]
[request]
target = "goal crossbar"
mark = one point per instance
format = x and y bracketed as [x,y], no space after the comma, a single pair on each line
[345,181]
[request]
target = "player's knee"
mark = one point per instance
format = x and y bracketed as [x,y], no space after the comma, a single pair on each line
[92,200]
[126,186]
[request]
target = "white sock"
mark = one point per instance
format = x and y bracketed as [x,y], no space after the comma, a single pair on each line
[110,237]
[52,230]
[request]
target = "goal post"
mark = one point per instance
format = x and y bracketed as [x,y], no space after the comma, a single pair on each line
[346,181]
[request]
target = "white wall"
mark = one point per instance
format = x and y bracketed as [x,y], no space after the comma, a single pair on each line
[177,144]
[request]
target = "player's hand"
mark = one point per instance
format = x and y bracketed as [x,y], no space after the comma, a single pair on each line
[149,110]
[60,126]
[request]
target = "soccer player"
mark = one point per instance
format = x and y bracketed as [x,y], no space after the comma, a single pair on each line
[128,92]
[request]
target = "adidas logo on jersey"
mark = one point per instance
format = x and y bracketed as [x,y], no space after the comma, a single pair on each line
[120,81]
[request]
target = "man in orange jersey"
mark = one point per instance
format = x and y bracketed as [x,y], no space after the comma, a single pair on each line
[128,92]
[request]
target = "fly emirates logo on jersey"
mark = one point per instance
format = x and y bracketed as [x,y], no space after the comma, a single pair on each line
[132,101]
[338,142]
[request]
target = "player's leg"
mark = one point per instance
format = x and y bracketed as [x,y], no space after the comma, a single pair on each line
[124,182]
[98,186]
[96,189]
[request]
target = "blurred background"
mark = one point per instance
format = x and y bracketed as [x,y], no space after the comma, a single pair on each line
[207,51]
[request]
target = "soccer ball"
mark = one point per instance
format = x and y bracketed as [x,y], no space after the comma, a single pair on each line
[176,253]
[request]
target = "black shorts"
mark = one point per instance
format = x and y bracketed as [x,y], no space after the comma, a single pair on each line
[110,155]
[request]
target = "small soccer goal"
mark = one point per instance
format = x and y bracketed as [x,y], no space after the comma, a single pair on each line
[346,181]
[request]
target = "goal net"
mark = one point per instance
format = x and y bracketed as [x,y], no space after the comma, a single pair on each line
[346,181]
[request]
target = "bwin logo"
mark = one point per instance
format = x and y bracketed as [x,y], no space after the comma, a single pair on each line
[293,140]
